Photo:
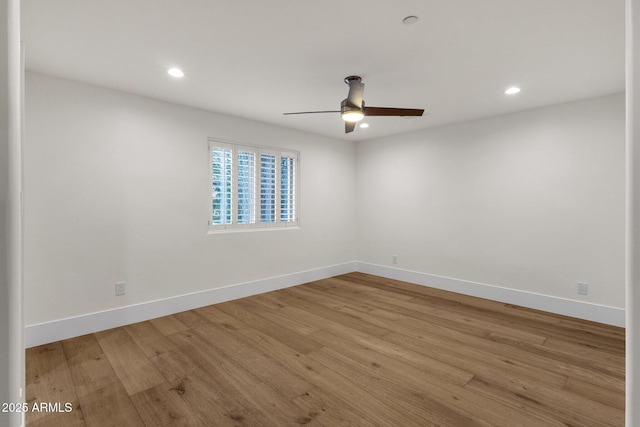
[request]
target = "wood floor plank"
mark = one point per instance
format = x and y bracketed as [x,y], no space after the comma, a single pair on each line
[342,390]
[48,380]
[129,362]
[588,354]
[272,299]
[107,403]
[214,315]
[456,399]
[504,356]
[190,319]
[161,406]
[87,362]
[244,386]
[467,320]
[295,361]
[353,350]
[508,399]
[312,305]
[325,381]
[442,361]
[440,389]
[597,392]
[251,358]
[563,329]
[327,410]
[378,349]
[168,325]
[475,361]
[352,292]
[414,311]
[329,301]
[552,324]
[379,391]
[298,325]
[591,372]
[284,334]
[103,399]
[149,339]
[367,394]
[568,326]
[568,408]
[209,397]
[56,419]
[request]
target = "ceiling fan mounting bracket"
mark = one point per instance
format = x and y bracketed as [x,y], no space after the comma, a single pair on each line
[350,79]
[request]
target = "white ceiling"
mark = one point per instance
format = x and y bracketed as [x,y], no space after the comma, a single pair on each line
[258,59]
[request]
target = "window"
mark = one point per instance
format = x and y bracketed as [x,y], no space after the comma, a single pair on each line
[252,187]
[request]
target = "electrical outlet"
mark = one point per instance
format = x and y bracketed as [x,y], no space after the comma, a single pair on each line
[395,259]
[120,288]
[583,288]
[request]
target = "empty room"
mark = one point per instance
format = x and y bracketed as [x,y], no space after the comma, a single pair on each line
[410,213]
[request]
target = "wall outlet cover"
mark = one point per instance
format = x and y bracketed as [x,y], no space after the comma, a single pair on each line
[120,288]
[583,288]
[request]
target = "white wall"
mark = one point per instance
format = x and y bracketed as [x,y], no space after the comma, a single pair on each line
[4,211]
[633,209]
[11,328]
[532,201]
[116,189]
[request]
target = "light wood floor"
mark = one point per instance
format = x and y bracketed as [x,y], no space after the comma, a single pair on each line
[351,350]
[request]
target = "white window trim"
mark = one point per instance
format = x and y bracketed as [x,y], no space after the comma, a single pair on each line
[278,224]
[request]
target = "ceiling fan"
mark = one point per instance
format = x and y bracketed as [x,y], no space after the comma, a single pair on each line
[353,109]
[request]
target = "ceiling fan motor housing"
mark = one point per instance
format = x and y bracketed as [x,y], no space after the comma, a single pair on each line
[351,113]
[346,106]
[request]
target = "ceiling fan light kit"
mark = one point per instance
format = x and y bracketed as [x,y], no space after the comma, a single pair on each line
[352,116]
[350,113]
[352,109]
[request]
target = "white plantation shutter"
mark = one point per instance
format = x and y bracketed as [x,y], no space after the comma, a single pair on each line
[288,172]
[221,179]
[252,187]
[246,186]
[268,175]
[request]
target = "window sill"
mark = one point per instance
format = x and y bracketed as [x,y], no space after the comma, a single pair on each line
[251,230]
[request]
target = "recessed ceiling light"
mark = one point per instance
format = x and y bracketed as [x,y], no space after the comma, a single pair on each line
[175,72]
[512,90]
[364,125]
[410,20]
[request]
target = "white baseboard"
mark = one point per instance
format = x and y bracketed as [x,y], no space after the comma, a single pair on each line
[57,330]
[582,310]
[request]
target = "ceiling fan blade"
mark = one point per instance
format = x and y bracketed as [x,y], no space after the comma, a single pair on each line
[311,112]
[356,90]
[349,126]
[383,111]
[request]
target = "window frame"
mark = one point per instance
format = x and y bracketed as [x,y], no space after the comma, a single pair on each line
[292,201]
